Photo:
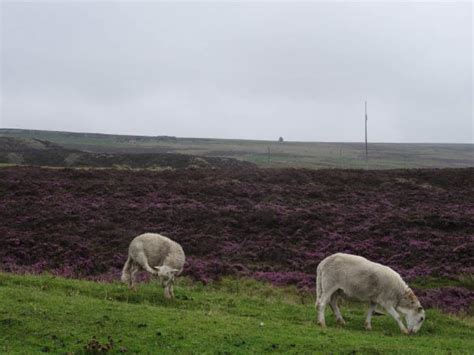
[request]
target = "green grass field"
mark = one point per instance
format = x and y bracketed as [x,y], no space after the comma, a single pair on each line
[270,154]
[49,314]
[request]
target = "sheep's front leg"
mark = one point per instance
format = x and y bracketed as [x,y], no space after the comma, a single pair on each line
[171,288]
[168,286]
[396,316]
[368,320]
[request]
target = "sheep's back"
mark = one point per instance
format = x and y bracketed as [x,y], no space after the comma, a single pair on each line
[361,278]
[158,249]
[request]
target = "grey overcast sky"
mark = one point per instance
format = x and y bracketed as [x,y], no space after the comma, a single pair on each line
[251,70]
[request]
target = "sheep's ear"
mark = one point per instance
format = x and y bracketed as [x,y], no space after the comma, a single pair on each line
[157,268]
[174,271]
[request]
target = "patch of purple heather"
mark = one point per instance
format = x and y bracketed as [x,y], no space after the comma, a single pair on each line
[449,299]
[275,225]
[302,280]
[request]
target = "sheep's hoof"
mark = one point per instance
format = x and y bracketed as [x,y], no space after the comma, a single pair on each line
[368,326]
[341,321]
[405,331]
[322,324]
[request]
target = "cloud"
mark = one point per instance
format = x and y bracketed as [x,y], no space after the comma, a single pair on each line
[240,70]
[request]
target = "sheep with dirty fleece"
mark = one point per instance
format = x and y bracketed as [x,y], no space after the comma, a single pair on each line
[350,276]
[157,254]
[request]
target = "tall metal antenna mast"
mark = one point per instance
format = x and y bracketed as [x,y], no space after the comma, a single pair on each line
[366,147]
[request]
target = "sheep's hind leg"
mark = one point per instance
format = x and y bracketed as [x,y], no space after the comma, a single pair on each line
[125,277]
[335,309]
[322,302]
[135,268]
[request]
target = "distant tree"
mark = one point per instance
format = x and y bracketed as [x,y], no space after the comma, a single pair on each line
[280,139]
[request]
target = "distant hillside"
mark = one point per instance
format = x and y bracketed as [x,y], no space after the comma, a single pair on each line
[312,155]
[25,151]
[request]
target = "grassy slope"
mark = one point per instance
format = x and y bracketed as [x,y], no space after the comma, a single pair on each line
[288,154]
[43,313]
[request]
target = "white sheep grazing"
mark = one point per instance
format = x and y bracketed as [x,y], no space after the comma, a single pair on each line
[351,276]
[157,254]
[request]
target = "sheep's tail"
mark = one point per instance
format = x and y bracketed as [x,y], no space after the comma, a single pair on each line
[126,271]
[319,281]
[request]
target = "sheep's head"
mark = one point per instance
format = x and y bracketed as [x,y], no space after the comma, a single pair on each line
[414,318]
[166,273]
[413,311]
